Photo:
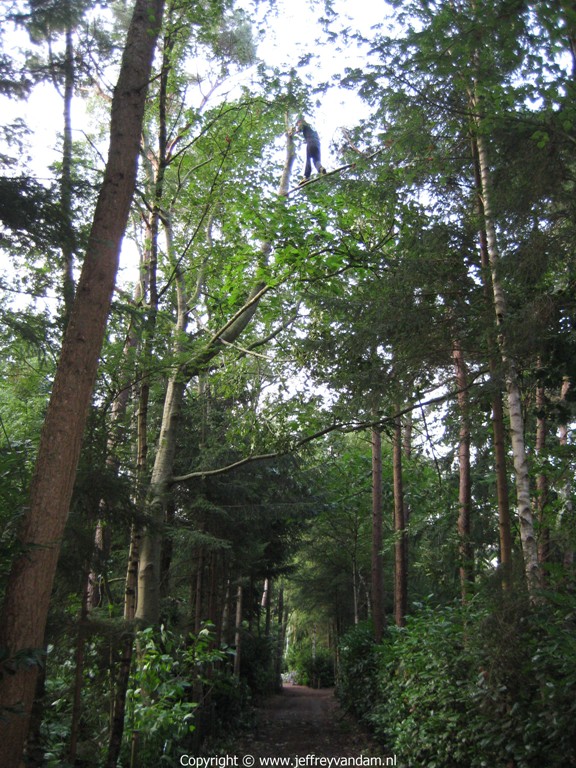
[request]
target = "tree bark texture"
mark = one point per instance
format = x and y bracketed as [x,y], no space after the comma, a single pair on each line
[30,583]
[68,235]
[466,554]
[377,567]
[498,428]
[400,538]
[566,489]
[514,401]
[542,481]
[238,632]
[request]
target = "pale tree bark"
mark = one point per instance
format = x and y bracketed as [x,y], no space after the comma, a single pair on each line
[542,481]
[377,566]
[148,608]
[281,634]
[68,238]
[466,554]
[498,426]
[502,494]
[400,533]
[30,583]
[514,401]
[566,490]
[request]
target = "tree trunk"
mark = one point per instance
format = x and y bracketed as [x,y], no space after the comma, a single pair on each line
[504,522]
[400,539]
[30,583]
[148,609]
[119,709]
[466,554]
[281,630]
[238,632]
[122,676]
[542,482]
[498,429]
[79,657]
[516,419]
[377,567]
[68,235]
[148,606]
[566,491]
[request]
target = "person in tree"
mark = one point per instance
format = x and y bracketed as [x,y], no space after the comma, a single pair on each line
[312,149]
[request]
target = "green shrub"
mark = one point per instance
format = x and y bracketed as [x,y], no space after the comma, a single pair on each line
[309,666]
[160,702]
[469,687]
[258,664]
[357,670]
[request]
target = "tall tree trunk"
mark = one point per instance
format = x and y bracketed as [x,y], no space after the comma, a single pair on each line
[514,402]
[282,625]
[30,583]
[238,632]
[542,482]
[498,428]
[466,554]
[79,657]
[400,537]
[566,490]
[266,603]
[377,567]
[148,609]
[122,676]
[68,235]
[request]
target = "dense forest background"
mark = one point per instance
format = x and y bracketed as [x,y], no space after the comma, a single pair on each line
[324,428]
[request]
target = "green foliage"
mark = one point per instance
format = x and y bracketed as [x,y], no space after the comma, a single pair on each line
[160,704]
[311,666]
[469,687]
[357,670]
[257,664]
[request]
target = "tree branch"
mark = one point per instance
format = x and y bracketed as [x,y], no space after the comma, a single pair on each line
[346,426]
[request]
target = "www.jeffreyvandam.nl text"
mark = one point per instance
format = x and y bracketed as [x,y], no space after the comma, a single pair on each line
[304,761]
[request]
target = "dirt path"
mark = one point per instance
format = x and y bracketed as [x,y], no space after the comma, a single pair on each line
[302,721]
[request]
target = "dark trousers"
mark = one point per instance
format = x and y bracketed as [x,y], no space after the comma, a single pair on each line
[312,156]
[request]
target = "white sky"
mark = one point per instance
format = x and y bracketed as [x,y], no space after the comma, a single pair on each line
[292,32]
[289,32]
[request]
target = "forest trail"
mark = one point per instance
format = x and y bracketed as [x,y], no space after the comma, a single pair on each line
[302,722]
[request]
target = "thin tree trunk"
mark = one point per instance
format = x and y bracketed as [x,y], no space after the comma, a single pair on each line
[566,490]
[282,624]
[78,676]
[30,583]
[267,604]
[377,567]
[466,554]
[355,592]
[119,710]
[498,428]
[400,537]
[238,632]
[148,609]
[504,522]
[515,417]
[198,591]
[122,676]
[68,235]
[542,482]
